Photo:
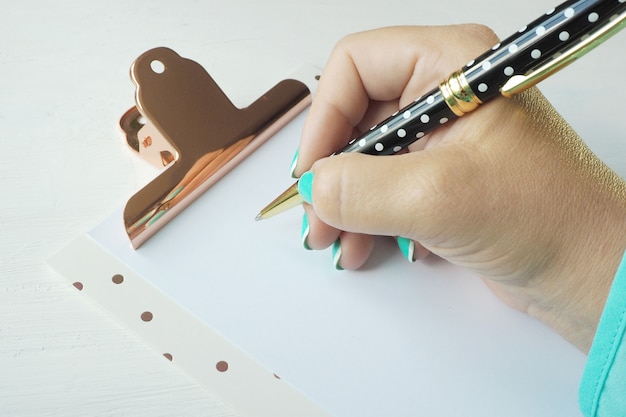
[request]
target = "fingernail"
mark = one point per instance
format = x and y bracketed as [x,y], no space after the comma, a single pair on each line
[337,254]
[407,247]
[294,162]
[305,231]
[305,186]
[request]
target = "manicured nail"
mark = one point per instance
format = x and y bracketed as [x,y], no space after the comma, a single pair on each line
[305,186]
[305,231]
[294,162]
[337,254]
[407,247]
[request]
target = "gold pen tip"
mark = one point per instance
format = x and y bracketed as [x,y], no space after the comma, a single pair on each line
[288,199]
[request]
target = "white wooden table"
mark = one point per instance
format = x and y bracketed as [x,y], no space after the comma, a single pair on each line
[63,166]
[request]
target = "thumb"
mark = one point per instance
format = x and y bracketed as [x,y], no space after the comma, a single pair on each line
[399,195]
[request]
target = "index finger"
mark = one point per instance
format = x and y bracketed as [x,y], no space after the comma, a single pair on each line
[382,65]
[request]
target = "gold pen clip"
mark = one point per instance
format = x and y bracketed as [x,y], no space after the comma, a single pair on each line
[518,83]
[184,123]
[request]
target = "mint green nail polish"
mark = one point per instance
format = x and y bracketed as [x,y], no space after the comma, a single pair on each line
[337,254]
[305,231]
[407,247]
[305,186]
[294,162]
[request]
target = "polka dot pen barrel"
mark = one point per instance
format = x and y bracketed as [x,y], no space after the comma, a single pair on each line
[557,38]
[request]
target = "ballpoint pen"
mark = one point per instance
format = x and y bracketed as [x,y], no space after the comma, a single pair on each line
[533,53]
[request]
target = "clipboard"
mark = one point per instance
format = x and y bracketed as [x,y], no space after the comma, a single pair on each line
[275,330]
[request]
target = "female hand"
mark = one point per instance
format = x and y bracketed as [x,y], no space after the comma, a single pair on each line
[509,191]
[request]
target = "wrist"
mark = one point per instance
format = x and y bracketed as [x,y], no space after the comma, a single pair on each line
[571,293]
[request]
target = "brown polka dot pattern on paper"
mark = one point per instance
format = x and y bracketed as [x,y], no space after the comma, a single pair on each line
[117,279]
[222,366]
[78,285]
[168,356]
[146,316]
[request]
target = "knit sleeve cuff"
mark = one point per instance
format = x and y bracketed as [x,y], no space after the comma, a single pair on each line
[603,387]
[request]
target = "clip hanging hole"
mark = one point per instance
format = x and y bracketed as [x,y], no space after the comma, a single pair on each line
[157,66]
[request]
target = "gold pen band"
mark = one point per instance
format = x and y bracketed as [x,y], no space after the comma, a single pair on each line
[458,94]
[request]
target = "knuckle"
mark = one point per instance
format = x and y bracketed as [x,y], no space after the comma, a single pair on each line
[481,34]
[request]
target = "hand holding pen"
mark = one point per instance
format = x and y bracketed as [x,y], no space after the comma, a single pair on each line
[535,52]
[509,191]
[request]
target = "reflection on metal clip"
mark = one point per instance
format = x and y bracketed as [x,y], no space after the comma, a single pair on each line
[185,121]
[152,146]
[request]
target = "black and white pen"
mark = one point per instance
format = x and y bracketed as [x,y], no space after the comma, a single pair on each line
[534,52]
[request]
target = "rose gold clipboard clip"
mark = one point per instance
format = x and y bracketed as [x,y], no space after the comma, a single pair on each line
[185,123]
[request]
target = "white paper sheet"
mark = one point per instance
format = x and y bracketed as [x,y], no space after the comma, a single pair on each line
[394,338]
